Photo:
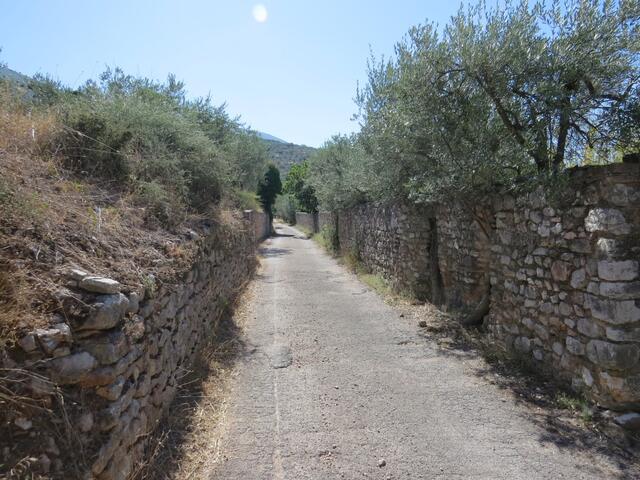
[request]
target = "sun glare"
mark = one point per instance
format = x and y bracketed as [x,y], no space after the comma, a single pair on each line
[260,13]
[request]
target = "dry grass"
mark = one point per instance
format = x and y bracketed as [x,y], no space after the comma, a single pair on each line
[22,131]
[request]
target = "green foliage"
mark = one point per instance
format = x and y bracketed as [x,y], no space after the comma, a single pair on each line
[160,203]
[246,200]
[328,239]
[285,208]
[269,188]
[498,97]
[297,184]
[174,153]
[340,175]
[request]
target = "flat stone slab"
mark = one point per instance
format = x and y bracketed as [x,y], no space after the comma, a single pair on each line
[100,285]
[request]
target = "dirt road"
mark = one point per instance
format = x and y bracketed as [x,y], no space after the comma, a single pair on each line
[335,384]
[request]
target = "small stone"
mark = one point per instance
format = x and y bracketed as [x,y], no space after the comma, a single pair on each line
[589,328]
[52,447]
[382,462]
[422,323]
[558,349]
[23,423]
[522,344]
[100,285]
[77,274]
[112,392]
[73,368]
[574,346]
[52,338]
[134,303]
[107,349]
[560,270]
[85,422]
[579,278]
[44,463]
[587,377]
[620,290]
[28,343]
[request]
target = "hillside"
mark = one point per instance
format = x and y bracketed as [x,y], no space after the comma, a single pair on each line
[284,155]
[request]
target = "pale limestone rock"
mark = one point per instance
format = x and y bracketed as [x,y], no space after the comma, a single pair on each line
[618,270]
[106,313]
[617,312]
[73,368]
[100,285]
[613,355]
[606,220]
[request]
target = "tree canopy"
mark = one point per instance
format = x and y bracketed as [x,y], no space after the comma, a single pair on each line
[498,97]
[269,188]
[297,184]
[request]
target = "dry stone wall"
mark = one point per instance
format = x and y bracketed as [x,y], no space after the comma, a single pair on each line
[308,221]
[566,282]
[560,276]
[115,355]
[391,240]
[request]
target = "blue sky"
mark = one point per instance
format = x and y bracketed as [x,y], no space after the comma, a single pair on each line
[293,76]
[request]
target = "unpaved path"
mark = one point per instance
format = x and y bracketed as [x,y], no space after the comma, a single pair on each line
[333,381]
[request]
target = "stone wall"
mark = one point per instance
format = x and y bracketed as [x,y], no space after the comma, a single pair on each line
[560,276]
[116,355]
[391,240]
[566,285]
[308,221]
[261,226]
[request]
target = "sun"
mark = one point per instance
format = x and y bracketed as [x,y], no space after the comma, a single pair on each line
[260,13]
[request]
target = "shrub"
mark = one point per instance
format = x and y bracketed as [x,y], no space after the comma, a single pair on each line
[146,136]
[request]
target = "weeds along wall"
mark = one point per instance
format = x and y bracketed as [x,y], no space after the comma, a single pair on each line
[115,359]
[559,276]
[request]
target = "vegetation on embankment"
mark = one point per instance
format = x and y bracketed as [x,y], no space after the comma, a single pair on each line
[115,177]
[502,97]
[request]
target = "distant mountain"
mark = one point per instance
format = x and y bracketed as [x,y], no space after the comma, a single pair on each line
[285,155]
[266,136]
[13,76]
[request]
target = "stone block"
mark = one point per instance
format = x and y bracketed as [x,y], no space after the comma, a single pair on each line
[574,346]
[73,368]
[612,355]
[560,270]
[617,271]
[620,290]
[107,349]
[99,285]
[606,220]
[616,312]
[106,313]
[579,278]
[589,328]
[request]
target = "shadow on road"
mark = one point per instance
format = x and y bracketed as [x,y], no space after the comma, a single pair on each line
[270,252]
[579,429]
